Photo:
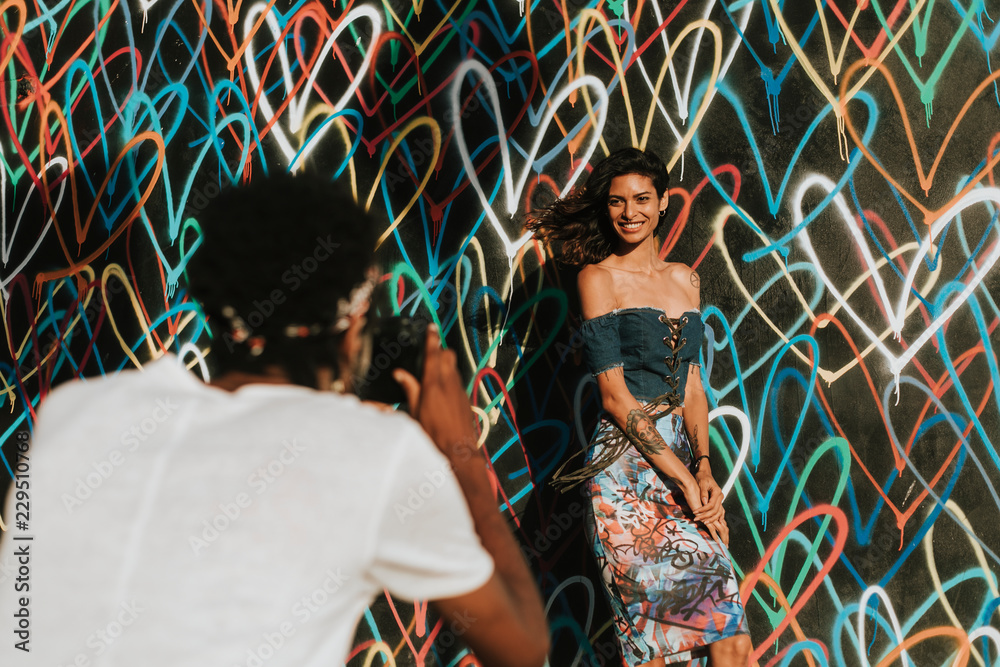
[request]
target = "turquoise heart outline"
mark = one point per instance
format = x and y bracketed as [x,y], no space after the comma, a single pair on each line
[774,201]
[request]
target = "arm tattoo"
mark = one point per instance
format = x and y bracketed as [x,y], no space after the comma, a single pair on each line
[640,430]
[694,439]
[695,280]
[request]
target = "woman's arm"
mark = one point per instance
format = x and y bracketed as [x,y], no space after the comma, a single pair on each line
[641,431]
[696,425]
[688,282]
[627,413]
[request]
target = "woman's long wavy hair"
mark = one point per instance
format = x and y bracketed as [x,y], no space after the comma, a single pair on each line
[577,227]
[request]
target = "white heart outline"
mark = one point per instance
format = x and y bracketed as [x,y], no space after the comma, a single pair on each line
[5,246]
[296,107]
[199,357]
[514,193]
[744,421]
[589,587]
[896,315]
[829,375]
[875,589]
[986,631]
[683,98]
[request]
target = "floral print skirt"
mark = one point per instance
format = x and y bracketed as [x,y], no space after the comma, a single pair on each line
[671,586]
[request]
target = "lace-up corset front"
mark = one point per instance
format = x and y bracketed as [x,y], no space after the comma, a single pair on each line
[654,351]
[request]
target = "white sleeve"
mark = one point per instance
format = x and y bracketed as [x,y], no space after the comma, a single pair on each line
[426,546]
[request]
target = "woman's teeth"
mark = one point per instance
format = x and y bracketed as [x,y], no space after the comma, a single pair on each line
[631,226]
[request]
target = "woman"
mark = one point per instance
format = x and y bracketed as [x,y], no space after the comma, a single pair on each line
[658,527]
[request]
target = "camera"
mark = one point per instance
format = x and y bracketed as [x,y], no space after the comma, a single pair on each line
[389,343]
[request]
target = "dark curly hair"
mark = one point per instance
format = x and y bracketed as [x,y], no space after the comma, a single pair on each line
[276,256]
[577,225]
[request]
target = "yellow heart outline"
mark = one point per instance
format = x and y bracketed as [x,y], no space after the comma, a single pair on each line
[53,109]
[338,124]
[435,153]
[609,36]
[926,180]
[417,7]
[117,271]
[839,105]
[491,331]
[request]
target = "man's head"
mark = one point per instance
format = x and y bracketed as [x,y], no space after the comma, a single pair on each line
[282,272]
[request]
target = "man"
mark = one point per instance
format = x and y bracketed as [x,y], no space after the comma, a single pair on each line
[249,521]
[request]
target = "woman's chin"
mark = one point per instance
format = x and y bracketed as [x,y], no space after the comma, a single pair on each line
[629,241]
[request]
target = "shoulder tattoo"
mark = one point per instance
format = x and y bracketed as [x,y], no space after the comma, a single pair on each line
[695,280]
[640,430]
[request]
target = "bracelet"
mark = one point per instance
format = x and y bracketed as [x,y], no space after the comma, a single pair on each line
[697,461]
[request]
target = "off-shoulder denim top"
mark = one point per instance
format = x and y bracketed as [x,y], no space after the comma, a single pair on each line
[654,350]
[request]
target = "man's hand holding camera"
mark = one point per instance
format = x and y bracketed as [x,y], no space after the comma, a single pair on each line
[510,626]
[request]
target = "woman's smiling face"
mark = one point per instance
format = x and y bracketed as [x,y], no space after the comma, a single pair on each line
[634,207]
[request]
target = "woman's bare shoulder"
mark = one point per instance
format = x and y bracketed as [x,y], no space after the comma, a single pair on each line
[593,275]
[683,274]
[686,279]
[595,284]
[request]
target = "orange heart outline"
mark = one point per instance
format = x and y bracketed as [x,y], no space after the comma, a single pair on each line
[53,78]
[926,180]
[902,517]
[750,582]
[7,389]
[961,659]
[234,60]
[785,605]
[52,109]
[619,69]
[22,13]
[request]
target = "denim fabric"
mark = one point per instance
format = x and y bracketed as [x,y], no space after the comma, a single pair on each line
[640,340]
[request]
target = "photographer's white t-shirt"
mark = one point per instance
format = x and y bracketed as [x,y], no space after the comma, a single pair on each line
[173,523]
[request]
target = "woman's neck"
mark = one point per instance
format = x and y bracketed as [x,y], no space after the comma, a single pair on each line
[643,256]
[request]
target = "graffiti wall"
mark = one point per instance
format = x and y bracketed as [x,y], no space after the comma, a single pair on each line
[833,174]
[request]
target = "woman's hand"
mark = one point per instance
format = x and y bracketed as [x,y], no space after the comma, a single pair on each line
[704,497]
[719,530]
[711,495]
[713,518]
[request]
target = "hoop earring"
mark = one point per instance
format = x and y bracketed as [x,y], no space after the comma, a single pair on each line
[663,212]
